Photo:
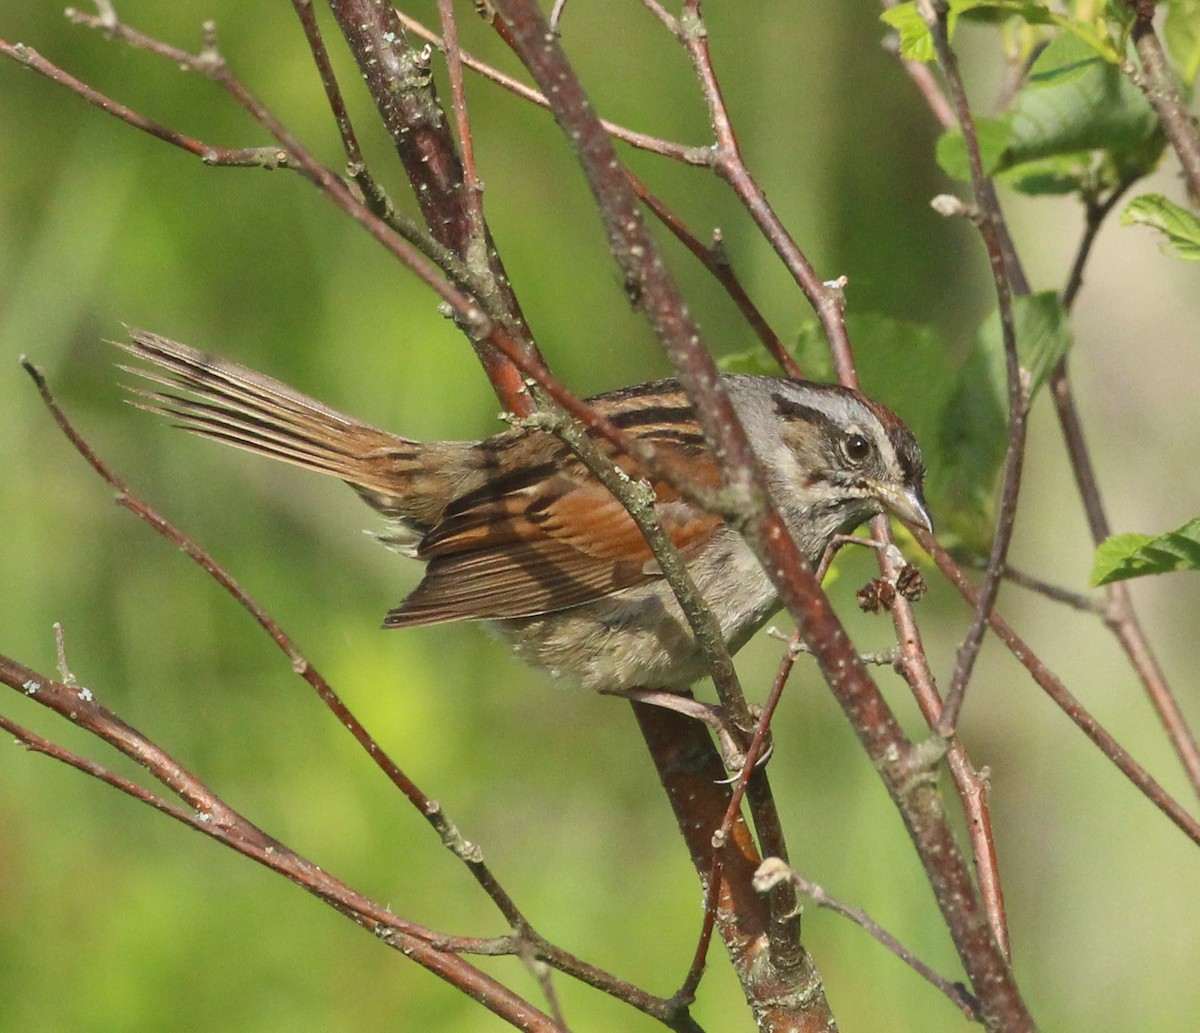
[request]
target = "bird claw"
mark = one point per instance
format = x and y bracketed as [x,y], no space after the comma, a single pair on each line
[729,737]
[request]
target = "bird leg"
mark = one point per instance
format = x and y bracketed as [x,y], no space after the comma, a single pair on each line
[729,736]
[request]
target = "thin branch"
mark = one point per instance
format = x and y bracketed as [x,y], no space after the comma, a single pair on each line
[688,155]
[669,21]
[1119,614]
[212,817]
[1062,697]
[773,871]
[473,196]
[1055,593]
[238,157]
[356,164]
[556,13]
[1158,83]
[1003,264]
[825,297]
[785,925]
[714,258]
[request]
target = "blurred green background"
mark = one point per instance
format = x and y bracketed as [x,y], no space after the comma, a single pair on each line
[112,918]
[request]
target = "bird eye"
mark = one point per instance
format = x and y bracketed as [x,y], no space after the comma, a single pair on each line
[857,448]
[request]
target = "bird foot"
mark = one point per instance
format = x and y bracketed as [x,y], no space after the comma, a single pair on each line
[732,742]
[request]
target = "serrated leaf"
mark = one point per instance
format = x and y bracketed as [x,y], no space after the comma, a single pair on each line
[1178,225]
[1136,555]
[916,44]
[1182,32]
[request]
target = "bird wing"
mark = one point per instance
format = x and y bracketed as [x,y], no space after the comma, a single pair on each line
[549,537]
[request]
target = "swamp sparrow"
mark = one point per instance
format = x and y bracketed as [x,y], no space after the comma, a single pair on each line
[514,530]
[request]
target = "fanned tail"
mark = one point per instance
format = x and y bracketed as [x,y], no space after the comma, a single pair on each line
[222,400]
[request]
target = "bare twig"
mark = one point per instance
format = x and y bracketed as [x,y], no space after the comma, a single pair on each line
[716,261]
[1158,83]
[773,871]
[1003,263]
[1062,697]
[1119,613]
[525,941]
[785,925]
[356,165]
[473,197]
[697,156]
[1056,593]
[825,298]
[209,815]
[259,157]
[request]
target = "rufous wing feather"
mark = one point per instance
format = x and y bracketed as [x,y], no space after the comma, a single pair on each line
[559,542]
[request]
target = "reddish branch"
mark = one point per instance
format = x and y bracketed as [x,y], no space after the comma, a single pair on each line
[1062,697]
[905,769]
[1008,280]
[1119,614]
[208,814]
[233,830]
[824,296]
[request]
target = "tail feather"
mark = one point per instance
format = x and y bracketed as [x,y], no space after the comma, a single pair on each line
[228,402]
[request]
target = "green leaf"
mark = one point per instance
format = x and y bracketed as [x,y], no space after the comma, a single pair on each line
[1076,125]
[1182,31]
[993,135]
[972,433]
[1181,227]
[1043,335]
[1076,101]
[1135,555]
[916,44]
[1062,174]
[969,449]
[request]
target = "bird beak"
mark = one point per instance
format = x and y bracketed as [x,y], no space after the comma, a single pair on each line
[907,503]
